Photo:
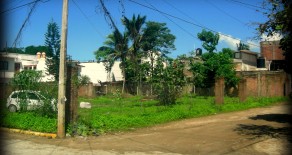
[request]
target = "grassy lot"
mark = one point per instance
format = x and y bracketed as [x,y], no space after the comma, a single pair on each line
[113,114]
[109,114]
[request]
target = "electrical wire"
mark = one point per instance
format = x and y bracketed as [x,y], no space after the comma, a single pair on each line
[171,20]
[185,14]
[24,23]
[236,19]
[86,17]
[203,27]
[17,7]
[246,4]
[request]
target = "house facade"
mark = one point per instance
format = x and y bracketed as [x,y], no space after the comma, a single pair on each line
[97,73]
[246,60]
[12,63]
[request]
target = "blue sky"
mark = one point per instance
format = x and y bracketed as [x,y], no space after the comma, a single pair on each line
[87,27]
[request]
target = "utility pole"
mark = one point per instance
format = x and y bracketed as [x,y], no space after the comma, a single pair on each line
[62,73]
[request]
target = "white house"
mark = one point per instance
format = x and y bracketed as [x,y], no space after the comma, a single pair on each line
[97,73]
[12,63]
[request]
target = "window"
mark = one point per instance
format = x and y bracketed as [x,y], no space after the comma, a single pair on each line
[4,65]
[33,96]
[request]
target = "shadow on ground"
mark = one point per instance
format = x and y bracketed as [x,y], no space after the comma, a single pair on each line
[258,131]
[280,118]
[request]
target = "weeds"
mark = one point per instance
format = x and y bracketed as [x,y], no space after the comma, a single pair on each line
[106,115]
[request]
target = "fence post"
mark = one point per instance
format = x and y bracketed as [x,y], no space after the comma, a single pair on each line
[219,90]
[242,90]
[72,94]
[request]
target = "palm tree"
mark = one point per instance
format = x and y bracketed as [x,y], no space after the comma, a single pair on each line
[116,47]
[134,31]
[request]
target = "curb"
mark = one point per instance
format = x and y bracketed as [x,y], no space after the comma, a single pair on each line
[41,134]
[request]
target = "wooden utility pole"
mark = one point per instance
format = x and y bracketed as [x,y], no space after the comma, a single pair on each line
[62,73]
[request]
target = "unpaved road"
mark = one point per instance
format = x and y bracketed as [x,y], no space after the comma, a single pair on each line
[257,131]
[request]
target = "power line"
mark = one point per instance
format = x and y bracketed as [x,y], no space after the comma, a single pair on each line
[24,23]
[86,17]
[203,27]
[172,21]
[227,13]
[11,9]
[248,4]
[185,14]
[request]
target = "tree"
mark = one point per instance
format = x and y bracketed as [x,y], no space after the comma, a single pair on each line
[115,48]
[279,22]
[242,46]
[134,32]
[34,49]
[214,65]
[157,38]
[52,41]
[157,41]
[210,40]
[228,51]
[168,81]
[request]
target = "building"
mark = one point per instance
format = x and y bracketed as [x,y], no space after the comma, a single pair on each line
[97,73]
[246,60]
[12,63]
[273,55]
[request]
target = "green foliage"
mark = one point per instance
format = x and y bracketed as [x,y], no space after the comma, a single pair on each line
[228,51]
[83,79]
[107,115]
[157,39]
[279,22]
[30,80]
[152,41]
[34,49]
[115,48]
[29,121]
[27,80]
[134,31]
[210,40]
[168,82]
[214,65]
[52,41]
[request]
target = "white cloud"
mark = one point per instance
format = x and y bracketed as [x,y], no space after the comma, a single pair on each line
[232,42]
[275,37]
[253,45]
[229,40]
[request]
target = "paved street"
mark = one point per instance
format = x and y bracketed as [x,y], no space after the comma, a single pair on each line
[257,131]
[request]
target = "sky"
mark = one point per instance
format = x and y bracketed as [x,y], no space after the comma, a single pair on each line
[234,20]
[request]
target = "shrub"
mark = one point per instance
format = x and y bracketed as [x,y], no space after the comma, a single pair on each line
[168,82]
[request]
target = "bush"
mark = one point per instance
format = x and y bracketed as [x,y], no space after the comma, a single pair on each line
[168,82]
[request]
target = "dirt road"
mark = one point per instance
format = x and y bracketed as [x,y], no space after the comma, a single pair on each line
[257,131]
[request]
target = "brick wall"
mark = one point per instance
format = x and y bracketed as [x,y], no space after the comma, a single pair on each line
[266,83]
[271,50]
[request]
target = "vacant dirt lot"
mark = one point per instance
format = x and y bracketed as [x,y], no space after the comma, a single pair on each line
[256,131]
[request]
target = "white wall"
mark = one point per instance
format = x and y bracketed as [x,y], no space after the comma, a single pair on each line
[96,72]
[24,60]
